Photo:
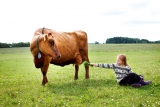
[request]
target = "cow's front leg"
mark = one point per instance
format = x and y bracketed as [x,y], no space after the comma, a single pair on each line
[44,70]
[45,80]
[76,72]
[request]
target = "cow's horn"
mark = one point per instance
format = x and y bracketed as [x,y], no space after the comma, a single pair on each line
[45,35]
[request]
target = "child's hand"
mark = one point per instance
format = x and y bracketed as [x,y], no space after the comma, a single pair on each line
[91,65]
[86,63]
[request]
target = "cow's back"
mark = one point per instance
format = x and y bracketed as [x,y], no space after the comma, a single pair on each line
[70,44]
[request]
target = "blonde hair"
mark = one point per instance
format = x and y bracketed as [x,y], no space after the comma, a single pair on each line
[123,58]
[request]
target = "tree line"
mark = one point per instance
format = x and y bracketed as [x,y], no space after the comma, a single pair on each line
[114,40]
[125,40]
[10,45]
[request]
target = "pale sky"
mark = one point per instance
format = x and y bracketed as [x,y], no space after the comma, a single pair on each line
[100,19]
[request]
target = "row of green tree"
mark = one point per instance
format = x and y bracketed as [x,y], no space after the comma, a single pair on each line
[20,44]
[114,40]
[126,40]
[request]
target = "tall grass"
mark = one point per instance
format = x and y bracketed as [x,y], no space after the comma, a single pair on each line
[20,81]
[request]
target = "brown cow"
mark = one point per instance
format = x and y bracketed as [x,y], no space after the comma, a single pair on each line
[59,48]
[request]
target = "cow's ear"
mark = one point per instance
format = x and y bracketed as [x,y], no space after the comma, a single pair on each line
[37,33]
[49,34]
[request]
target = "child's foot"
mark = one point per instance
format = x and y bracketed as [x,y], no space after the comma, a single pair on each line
[136,85]
[148,82]
[145,82]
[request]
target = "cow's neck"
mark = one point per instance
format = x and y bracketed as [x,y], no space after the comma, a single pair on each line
[39,52]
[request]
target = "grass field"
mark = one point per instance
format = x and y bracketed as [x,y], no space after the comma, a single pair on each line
[20,81]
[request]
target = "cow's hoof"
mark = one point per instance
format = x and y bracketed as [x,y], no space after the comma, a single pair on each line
[43,83]
[75,78]
[86,78]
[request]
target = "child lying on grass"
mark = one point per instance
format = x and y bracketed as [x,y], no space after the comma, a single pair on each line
[124,74]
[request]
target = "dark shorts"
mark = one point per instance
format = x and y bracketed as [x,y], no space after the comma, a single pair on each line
[130,79]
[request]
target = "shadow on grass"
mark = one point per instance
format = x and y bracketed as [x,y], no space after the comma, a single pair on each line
[77,87]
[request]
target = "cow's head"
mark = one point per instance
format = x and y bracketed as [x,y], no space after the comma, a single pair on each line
[48,46]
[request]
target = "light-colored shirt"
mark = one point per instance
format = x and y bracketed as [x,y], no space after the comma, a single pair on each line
[120,71]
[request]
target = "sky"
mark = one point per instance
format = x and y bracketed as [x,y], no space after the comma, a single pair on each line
[100,19]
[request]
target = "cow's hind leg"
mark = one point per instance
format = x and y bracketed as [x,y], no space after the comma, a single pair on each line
[76,72]
[77,61]
[85,58]
[87,72]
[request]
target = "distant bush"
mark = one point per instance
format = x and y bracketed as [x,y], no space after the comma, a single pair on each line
[126,40]
[5,45]
[20,44]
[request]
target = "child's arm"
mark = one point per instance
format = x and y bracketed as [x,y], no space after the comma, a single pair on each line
[102,65]
[91,64]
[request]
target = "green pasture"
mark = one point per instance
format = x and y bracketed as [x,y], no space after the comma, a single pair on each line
[20,81]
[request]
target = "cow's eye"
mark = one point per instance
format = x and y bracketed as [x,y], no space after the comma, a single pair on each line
[51,43]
